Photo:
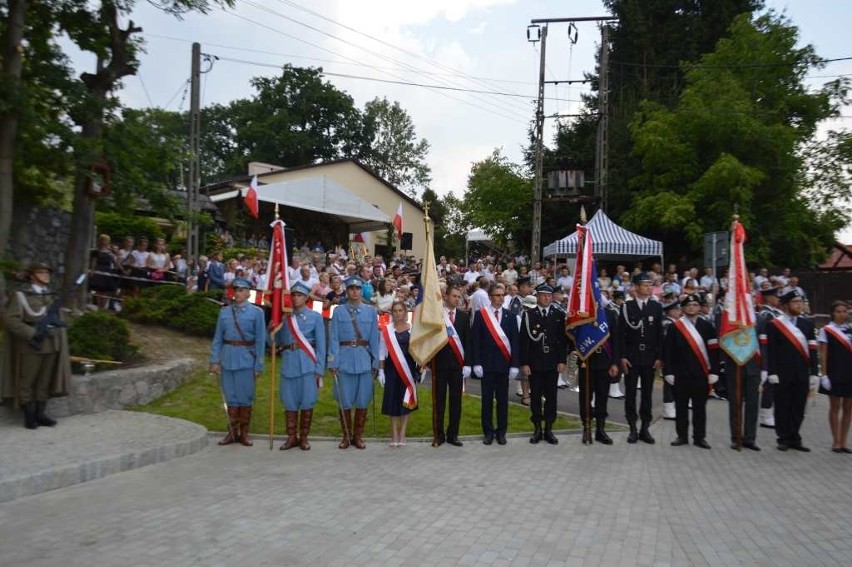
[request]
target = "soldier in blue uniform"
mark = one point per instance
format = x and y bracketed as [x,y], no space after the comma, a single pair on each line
[354,350]
[302,366]
[239,347]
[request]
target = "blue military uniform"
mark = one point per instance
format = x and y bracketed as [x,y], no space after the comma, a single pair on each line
[299,373]
[354,356]
[239,346]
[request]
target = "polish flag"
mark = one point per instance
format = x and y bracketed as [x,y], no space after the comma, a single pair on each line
[251,197]
[397,221]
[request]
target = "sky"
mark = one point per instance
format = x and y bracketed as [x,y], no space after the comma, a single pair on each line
[460,44]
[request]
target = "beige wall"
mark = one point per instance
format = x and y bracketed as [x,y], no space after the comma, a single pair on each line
[359,182]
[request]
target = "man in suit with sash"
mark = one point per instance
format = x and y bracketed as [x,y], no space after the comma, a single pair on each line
[451,370]
[690,363]
[792,366]
[495,358]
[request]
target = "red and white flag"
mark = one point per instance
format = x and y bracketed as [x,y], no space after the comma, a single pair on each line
[251,198]
[397,221]
[737,335]
[582,307]
[277,279]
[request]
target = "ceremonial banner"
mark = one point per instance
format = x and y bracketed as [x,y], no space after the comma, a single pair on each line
[586,321]
[251,198]
[428,333]
[277,280]
[397,221]
[737,334]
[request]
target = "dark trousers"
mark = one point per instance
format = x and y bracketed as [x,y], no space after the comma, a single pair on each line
[448,380]
[668,393]
[790,400]
[767,400]
[599,382]
[645,376]
[543,384]
[691,388]
[495,386]
[750,385]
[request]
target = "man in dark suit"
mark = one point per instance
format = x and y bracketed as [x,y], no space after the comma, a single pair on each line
[544,350]
[792,365]
[495,359]
[451,370]
[641,341]
[690,363]
[603,369]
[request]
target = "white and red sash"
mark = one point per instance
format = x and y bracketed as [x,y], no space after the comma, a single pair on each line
[497,332]
[839,335]
[695,341]
[300,339]
[793,334]
[409,399]
[454,338]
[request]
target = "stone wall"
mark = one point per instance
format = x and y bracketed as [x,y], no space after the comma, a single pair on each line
[40,235]
[117,389]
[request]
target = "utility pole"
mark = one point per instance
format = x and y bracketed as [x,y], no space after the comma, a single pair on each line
[602,154]
[535,254]
[192,190]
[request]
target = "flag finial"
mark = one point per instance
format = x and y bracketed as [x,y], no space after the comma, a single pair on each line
[425,209]
[276,212]
[582,214]
[736,212]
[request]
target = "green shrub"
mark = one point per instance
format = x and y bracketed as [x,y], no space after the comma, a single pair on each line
[102,336]
[171,306]
[117,226]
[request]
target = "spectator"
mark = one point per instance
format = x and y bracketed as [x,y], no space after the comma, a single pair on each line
[603,279]
[216,272]
[159,262]
[385,295]
[104,261]
[322,288]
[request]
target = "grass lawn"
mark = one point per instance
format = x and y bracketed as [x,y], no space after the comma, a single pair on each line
[200,401]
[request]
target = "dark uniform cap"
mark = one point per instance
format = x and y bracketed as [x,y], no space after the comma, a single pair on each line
[543,288]
[671,305]
[524,280]
[642,277]
[691,298]
[791,295]
[37,267]
[771,292]
[241,283]
[618,294]
[558,289]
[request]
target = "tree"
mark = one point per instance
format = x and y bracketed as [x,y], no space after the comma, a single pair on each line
[451,224]
[393,150]
[735,139]
[499,199]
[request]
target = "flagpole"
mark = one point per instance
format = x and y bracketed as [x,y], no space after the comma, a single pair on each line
[272,364]
[587,423]
[738,420]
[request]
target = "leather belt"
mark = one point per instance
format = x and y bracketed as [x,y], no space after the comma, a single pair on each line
[239,343]
[643,346]
[354,343]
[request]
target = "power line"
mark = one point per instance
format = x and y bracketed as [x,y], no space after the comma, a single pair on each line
[737,66]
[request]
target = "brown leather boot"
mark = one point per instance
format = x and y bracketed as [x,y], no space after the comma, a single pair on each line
[245,421]
[305,428]
[360,420]
[346,426]
[233,426]
[292,440]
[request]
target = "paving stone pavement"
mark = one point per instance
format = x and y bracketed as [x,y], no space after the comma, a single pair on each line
[513,505]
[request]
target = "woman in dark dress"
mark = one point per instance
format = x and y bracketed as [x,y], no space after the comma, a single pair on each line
[835,353]
[397,373]
[104,283]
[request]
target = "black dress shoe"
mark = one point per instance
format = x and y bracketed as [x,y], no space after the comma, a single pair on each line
[602,437]
[836,450]
[751,446]
[701,443]
[633,436]
[488,439]
[783,447]
[536,436]
[550,437]
[455,442]
[679,441]
[501,439]
[645,435]
[845,450]
[801,448]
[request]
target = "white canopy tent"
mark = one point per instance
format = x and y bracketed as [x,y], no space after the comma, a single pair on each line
[609,242]
[320,194]
[476,235]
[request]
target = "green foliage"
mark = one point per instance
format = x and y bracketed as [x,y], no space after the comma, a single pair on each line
[118,225]
[171,306]
[100,335]
[199,400]
[451,224]
[735,138]
[499,199]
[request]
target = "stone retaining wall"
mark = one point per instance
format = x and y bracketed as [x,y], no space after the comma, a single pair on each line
[117,389]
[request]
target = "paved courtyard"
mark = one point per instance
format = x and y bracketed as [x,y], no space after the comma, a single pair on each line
[514,505]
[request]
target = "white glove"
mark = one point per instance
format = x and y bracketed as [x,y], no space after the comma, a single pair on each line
[825,382]
[382,376]
[712,378]
[669,378]
[477,371]
[773,379]
[763,376]
[465,372]
[425,374]
[513,373]
[814,382]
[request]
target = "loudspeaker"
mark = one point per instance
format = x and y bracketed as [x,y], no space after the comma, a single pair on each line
[405,241]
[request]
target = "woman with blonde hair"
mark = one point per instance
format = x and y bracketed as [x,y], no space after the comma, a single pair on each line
[397,372]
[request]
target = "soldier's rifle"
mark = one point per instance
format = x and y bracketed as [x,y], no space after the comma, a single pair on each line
[53,318]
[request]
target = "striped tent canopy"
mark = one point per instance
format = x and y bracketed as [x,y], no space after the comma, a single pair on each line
[610,242]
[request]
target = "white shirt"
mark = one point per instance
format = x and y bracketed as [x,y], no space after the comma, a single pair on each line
[565,282]
[479,299]
[471,276]
[510,276]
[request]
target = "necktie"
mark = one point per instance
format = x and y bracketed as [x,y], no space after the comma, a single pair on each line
[453,317]
[497,315]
